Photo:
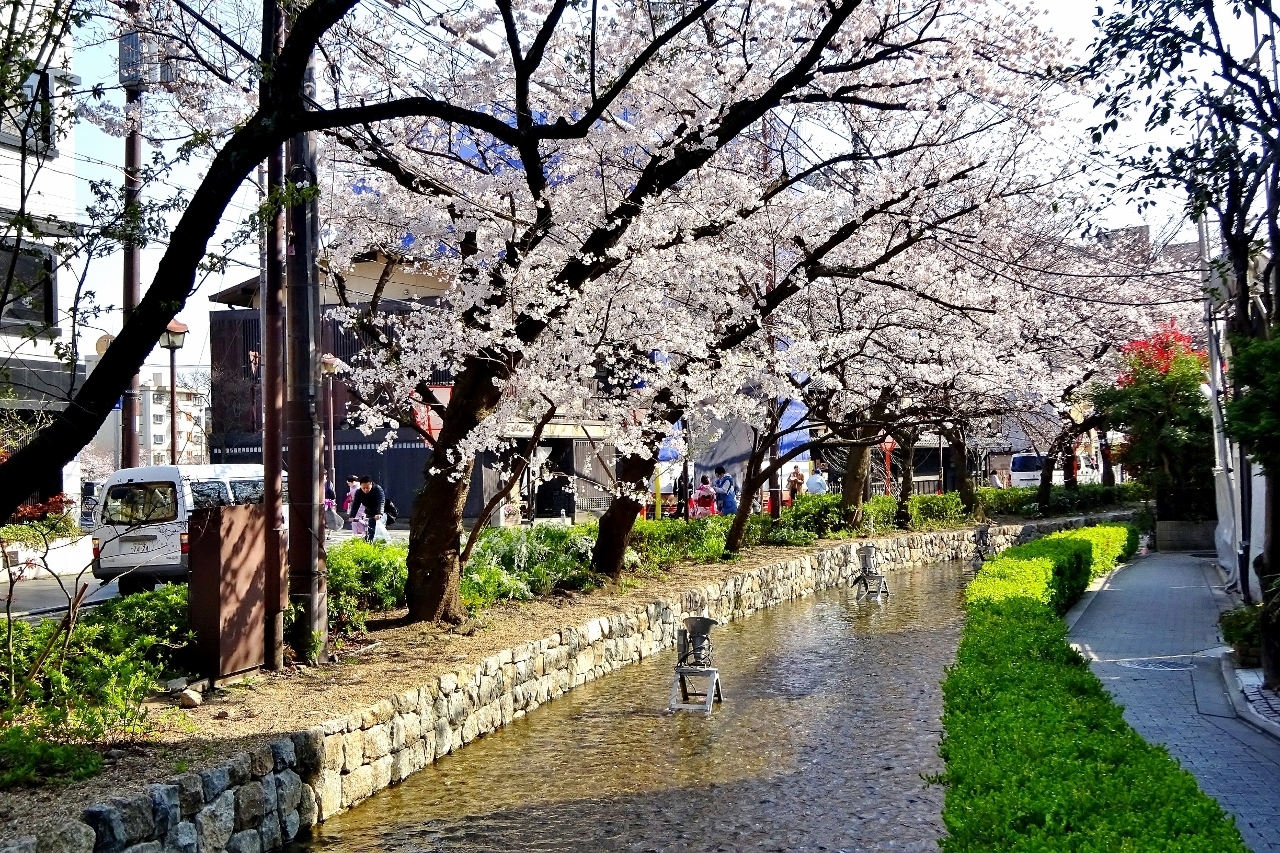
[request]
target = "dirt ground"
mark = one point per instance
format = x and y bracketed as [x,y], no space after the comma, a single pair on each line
[390,659]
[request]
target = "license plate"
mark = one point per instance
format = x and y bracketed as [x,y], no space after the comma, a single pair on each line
[139,547]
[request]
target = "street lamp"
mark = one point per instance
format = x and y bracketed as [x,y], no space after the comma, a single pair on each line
[175,334]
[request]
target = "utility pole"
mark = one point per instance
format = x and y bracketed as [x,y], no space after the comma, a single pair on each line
[131,78]
[271,371]
[307,587]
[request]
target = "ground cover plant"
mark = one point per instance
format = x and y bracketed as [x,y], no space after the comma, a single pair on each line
[66,685]
[1062,501]
[1038,757]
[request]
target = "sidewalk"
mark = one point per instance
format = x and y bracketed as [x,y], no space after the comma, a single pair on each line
[1151,635]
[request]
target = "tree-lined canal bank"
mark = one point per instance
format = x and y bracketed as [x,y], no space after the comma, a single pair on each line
[830,725]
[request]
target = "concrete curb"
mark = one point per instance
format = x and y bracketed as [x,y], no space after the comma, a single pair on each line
[1244,710]
[1077,610]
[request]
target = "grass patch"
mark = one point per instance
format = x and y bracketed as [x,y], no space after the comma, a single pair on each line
[1038,757]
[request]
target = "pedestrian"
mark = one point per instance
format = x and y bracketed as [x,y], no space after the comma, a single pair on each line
[704,499]
[795,483]
[329,494]
[353,486]
[373,500]
[996,482]
[816,484]
[726,492]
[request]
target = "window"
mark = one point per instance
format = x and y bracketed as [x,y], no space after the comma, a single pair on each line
[157,419]
[247,491]
[209,493]
[157,439]
[29,122]
[157,399]
[1026,464]
[26,284]
[140,503]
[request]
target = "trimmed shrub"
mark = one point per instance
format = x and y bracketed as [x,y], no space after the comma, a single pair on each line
[878,514]
[1062,501]
[818,514]
[364,577]
[1037,755]
[518,563]
[933,512]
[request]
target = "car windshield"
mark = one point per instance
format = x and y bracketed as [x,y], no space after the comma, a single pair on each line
[140,503]
[206,494]
[247,491]
[1025,464]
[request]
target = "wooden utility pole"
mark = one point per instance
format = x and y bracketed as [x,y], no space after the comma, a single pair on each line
[271,369]
[132,73]
[307,588]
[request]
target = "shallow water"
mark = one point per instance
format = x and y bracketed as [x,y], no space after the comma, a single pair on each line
[830,723]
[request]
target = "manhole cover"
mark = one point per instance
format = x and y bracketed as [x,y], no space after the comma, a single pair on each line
[1167,665]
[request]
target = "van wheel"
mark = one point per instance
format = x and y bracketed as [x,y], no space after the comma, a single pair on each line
[131,583]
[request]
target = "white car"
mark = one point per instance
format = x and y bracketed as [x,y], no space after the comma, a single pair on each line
[1025,468]
[140,534]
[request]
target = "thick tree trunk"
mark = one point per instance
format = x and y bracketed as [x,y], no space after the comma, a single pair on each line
[435,525]
[620,517]
[907,487]
[854,487]
[1108,471]
[964,482]
[1070,473]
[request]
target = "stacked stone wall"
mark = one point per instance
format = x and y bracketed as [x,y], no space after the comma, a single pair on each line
[262,800]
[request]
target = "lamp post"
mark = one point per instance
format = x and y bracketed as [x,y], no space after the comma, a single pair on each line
[175,335]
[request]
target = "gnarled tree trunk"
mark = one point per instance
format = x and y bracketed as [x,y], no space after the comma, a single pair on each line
[435,525]
[854,487]
[964,482]
[906,488]
[620,517]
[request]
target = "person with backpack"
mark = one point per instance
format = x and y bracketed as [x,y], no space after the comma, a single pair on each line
[726,492]
[704,499]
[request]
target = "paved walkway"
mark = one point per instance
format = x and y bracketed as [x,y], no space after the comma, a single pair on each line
[1151,634]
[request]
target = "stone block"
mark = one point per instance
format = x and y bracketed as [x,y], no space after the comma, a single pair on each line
[214,782]
[216,822]
[182,838]
[288,791]
[307,746]
[470,729]
[269,832]
[412,730]
[400,767]
[376,715]
[270,794]
[334,727]
[65,836]
[328,793]
[307,808]
[251,805]
[245,841]
[145,847]
[238,768]
[448,682]
[290,825]
[381,773]
[284,753]
[377,741]
[261,761]
[25,844]
[352,750]
[357,785]
[137,817]
[190,793]
[165,809]
[459,708]
[406,701]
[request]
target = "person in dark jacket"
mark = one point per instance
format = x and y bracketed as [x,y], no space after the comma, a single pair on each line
[374,500]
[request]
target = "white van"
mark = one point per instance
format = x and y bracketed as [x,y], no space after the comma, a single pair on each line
[1025,468]
[140,535]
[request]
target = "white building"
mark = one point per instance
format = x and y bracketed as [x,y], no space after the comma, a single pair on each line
[153,422]
[37,181]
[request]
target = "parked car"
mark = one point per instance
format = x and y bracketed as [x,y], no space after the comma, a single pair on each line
[1025,468]
[140,530]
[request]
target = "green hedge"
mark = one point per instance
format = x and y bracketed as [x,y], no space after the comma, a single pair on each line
[1062,501]
[522,562]
[364,577]
[1038,757]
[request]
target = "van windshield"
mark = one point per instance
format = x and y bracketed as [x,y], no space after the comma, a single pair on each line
[206,494]
[140,503]
[1026,464]
[247,491]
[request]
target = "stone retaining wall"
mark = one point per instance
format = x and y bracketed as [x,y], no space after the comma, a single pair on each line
[261,800]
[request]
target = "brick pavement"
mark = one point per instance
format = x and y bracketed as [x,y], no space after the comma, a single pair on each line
[1162,611]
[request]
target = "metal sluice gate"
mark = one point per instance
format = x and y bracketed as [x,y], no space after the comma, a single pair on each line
[694,668]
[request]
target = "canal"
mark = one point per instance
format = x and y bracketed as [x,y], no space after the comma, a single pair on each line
[829,729]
